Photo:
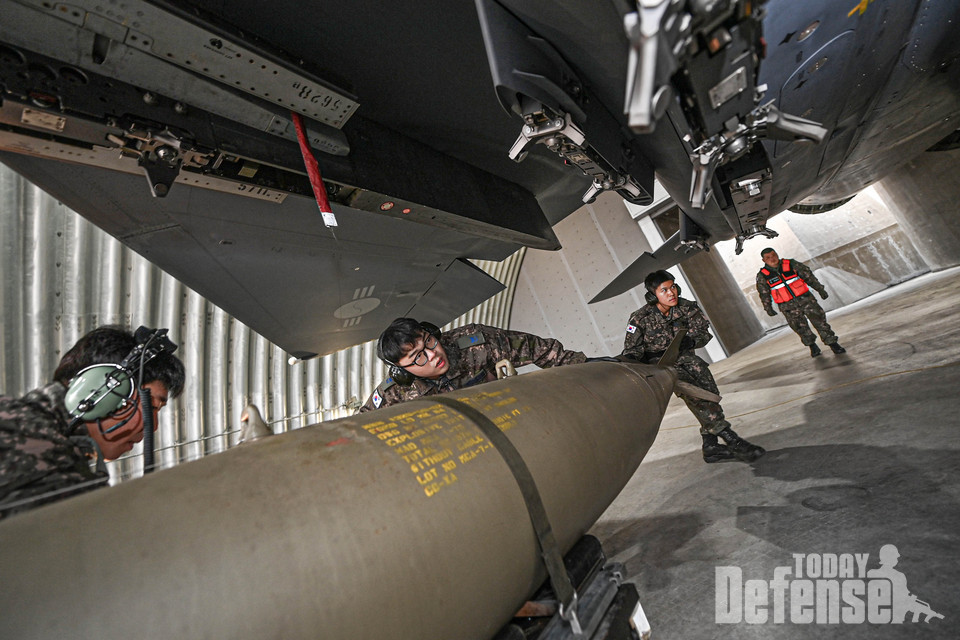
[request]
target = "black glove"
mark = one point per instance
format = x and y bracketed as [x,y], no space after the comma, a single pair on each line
[603,359]
[687,344]
[823,294]
[771,312]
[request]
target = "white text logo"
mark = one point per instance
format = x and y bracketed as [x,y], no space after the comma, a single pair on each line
[821,588]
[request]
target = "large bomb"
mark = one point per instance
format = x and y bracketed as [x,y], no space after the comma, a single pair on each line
[402,523]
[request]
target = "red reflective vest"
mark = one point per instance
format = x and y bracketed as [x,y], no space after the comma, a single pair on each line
[785,285]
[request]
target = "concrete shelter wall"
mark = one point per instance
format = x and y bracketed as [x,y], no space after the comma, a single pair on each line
[599,241]
[923,195]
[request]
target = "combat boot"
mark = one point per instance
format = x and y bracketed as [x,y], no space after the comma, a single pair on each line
[814,350]
[713,451]
[742,449]
[836,348]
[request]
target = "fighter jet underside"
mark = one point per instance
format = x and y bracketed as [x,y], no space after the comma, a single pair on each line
[449,131]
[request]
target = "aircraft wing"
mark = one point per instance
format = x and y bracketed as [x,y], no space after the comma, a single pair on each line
[174,133]
[450,131]
[310,289]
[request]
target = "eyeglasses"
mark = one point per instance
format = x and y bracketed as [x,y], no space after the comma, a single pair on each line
[429,342]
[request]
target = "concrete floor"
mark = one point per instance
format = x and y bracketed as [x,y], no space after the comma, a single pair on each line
[863,450]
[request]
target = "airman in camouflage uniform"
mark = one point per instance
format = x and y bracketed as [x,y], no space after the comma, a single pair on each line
[650,331]
[46,454]
[40,455]
[458,358]
[792,280]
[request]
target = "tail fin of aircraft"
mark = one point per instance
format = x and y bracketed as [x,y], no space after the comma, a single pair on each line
[670,253]
[689,239]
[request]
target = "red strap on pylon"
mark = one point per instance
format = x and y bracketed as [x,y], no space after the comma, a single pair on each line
[313,172]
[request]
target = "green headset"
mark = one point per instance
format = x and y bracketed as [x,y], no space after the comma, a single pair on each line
[400,375]
[102,389]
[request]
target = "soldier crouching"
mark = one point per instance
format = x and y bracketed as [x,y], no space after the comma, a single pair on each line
[650,331]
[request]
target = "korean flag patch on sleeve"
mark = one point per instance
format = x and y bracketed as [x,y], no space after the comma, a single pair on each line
[631,328]
[377,398]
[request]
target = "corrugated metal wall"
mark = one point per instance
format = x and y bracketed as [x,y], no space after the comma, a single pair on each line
[62,276]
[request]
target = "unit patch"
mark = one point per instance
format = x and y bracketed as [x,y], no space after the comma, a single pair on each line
[470,340]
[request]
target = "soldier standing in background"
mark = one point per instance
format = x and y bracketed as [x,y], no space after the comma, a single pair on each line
[788,282]
[424,362]
[650,331]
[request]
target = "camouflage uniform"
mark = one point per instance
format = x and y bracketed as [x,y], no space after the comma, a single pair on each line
[38,455]
[801,308]
[650,332]
[473,351]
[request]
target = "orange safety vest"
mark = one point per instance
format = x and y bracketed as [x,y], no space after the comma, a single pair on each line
[787,286]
